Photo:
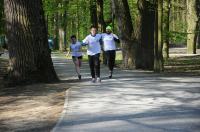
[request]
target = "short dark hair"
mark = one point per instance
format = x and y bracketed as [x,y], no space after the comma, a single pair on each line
[73,36]
[93,27]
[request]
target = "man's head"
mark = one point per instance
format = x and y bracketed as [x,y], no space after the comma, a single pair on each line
[93,30]
[73,39]
[108,29]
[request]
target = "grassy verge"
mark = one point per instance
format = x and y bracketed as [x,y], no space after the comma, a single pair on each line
[183,64]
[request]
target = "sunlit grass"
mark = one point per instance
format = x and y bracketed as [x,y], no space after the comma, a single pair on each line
[183,64]
[118,59]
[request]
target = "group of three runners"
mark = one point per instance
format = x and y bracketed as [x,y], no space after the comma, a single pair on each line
[94,42]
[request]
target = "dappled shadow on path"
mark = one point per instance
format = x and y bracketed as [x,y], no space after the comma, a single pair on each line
[131,100]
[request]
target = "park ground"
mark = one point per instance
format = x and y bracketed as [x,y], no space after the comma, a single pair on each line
[38,107]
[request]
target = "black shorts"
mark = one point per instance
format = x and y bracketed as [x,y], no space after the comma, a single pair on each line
[79,57]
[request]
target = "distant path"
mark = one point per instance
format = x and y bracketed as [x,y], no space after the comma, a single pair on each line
[133,101]
[181,52]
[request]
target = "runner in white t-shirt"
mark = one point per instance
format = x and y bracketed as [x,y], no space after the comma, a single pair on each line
[109,46]
[75,48]
[93,42]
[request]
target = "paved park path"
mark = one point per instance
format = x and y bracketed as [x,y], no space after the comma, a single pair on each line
[133,101]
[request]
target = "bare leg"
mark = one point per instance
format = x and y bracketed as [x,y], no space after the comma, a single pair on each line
[76,63]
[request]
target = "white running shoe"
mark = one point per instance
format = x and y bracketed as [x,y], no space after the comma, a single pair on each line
[93,80]
[98,79]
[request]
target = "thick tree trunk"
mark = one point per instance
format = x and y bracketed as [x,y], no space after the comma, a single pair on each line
[191,26]
[145,36]
[158,46]
[125,28]
[30,59]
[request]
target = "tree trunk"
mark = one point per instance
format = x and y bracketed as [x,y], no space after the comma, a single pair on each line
[198,25]
[30,59]
[191,26]
[65,30]
[1,17]
[198,34]
[113,15]
[125,28]
[77,20]
[145,36]
[61,39]
[158,56]
[93,13]
[101,24]
[166,28]
[56,31]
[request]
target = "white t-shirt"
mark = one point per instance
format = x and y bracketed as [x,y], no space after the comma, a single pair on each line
[93,42]
[75,49]
[108,41]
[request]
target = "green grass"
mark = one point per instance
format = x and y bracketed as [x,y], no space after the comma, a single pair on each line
[183,64]
[118,59]
[173,65]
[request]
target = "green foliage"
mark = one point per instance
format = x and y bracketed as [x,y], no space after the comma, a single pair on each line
[178,37]
[73,17]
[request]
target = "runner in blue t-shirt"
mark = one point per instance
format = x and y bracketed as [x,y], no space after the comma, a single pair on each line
[75,49]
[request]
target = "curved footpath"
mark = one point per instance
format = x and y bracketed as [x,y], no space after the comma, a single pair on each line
[133,101]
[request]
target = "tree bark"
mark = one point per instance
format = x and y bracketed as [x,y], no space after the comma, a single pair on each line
[145,36]
[166,28]
[1,17]
[198,25]
[191,26]
[158,44]
[30,59]
[125,28]
[101,22]
[61,39]
[93,13]
[65,29]
[56,31]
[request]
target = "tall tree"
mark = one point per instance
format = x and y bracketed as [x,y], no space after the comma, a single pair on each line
[64,24]
[1,17]
[100,14]
[101,23]
[166,28]
[93,13]
[125,29]
[191,26]
[30,59]
[145,36]
[197,35]
[158,44]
